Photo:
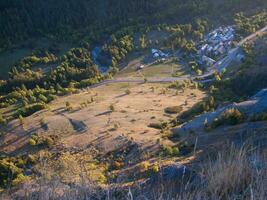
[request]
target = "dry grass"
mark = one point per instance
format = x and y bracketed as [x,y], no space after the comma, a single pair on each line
[230,174]
[234,173]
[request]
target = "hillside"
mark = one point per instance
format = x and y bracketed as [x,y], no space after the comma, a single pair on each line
[95,19]
[153,100]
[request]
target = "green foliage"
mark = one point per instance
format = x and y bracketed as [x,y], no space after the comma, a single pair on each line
[31,19]
[112,108]
[231,116]
[30,109]
[181,85]
[247,25]
[10,173]
[48,141]
[206,105]
[142,42]
[21,119]
[2,120]
[32,142]
[68,104]
[170,151]
[128,92]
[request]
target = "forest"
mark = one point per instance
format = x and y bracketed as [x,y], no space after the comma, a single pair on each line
[94,20]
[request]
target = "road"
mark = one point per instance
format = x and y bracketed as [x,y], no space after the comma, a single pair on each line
[142,80]
[217,67]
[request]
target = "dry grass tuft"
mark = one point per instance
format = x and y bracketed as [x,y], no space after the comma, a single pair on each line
[235,173]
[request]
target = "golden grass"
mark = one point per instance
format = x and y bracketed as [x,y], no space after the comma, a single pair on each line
[234,173]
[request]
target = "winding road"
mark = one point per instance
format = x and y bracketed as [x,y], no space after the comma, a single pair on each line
[217,67]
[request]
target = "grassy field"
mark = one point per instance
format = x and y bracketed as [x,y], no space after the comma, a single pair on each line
[167,69]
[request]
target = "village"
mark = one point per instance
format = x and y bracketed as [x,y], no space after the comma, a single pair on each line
[215,44]
[213,47]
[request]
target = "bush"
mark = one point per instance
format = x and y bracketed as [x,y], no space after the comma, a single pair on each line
[30,109]
[31,159]
[9,172]
[32,142]
[155,125]
[117,165]
[67,104]
[160,125]
[48,141]
[155,168]
[231,116]
[43,98]
[168,150]
[112,108]
[128,92]
[173,109]
[144,166]
[200,107]
[176,151]
[2,120]
[21,119]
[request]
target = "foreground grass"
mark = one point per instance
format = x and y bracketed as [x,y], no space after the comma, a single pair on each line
[233,173]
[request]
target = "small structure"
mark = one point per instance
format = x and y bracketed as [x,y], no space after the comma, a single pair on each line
[158,54]
[141,67]
[209,61]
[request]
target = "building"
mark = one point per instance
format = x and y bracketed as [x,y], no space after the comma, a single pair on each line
[209,61]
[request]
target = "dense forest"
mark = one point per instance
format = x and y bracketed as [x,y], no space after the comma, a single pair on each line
[76,19]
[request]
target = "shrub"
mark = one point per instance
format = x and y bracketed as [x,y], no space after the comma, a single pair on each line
[173,109]
[30,109]
[112,108]
[200,107]
[232,116]
[2,120]
[31,159]
[67,104]
[8,172]
[168,150]
[32,142]
[48,141]
[42,122]
[155,168]
[117,165]
[144,166]
[116,126]
[21,119]
[176,151]
[160,125]
[128,92]
[145,80]
[20,178]
[43,98]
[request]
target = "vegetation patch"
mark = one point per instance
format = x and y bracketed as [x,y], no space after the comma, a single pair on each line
[231,116]
[204,106]
[30,109]
[173,109]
